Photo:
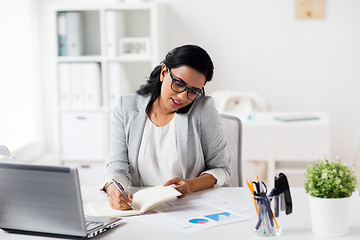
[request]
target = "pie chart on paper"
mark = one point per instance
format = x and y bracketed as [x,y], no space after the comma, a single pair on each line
[198,221]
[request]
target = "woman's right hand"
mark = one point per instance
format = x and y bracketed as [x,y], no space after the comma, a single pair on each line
[117,200]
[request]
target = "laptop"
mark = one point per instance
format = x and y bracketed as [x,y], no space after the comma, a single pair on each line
[46,201]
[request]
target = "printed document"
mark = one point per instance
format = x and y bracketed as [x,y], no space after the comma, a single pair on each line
[194,213]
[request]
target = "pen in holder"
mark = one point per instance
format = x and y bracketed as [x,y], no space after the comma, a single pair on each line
[267,224]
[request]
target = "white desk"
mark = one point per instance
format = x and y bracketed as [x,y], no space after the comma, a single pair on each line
[294,226]
[284,146]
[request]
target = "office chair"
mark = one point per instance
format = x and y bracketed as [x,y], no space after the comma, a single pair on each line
[232,129]
[240,102]
[356,160]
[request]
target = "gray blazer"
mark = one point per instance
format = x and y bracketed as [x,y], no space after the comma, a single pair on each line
[201,144]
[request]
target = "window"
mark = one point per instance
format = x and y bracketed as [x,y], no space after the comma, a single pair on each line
[20,81]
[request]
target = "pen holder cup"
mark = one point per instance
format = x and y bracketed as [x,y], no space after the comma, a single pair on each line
[267,224]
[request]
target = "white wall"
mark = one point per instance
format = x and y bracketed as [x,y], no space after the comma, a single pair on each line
[20,83]
[258,45]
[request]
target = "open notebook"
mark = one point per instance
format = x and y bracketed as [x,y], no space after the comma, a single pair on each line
[143,200]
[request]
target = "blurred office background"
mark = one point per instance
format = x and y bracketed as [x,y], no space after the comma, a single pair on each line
[257,46]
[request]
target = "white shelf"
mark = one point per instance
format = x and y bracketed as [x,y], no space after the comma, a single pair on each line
[130,58]
[103,7]
[105,27]
[129,6]
[102,109]
[80,59]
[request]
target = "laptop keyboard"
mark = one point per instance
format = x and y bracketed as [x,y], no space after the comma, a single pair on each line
[90,225]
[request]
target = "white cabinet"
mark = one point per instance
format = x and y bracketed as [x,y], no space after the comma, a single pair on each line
[90,172]
[100,52]
[83,136]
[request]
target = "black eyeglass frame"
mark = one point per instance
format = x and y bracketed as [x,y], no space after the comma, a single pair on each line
[199,95]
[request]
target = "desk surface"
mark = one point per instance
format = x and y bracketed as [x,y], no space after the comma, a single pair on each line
[294,226]
[267,119]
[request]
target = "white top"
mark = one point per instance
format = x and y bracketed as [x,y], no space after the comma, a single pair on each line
[158,159]
[158,156]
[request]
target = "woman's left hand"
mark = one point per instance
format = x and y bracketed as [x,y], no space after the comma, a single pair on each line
[180,184]
[186,186]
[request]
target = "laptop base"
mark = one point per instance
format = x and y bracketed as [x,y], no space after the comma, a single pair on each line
[42,234]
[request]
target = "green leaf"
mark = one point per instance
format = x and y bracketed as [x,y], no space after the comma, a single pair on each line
[330,179]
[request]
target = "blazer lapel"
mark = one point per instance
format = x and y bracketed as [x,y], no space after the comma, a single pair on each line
[182,137]
[137,129]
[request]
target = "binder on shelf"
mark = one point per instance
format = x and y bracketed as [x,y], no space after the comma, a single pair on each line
[64,70]
[74,34]
[92,84]
[118,82]
[77,93]
[62,38]
[80,85]
[114,31]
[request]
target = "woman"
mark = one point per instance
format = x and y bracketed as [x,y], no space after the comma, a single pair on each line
[168,133]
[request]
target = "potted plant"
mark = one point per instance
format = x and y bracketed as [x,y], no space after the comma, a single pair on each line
[329,184]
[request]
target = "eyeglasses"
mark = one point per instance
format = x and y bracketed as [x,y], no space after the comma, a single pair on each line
[179,86]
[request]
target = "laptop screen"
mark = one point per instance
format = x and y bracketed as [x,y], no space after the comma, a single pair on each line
[41,199]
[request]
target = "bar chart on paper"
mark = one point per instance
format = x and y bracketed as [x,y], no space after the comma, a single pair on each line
[222,217]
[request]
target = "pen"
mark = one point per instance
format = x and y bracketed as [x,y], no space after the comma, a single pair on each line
[121,189]
[250,186]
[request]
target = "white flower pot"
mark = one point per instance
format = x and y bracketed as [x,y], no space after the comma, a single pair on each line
[329,216]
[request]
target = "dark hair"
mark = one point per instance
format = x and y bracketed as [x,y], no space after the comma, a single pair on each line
[188,55]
